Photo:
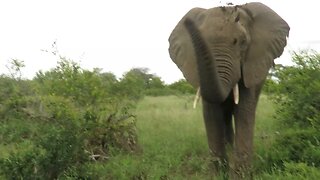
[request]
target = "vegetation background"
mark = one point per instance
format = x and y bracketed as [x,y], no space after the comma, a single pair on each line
[72,123]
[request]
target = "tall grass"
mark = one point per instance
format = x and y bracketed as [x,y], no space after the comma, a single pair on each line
[172,135]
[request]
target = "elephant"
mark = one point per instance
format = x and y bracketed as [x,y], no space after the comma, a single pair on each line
[227,52]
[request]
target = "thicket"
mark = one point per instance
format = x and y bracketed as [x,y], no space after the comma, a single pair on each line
[296,92]
[63,119]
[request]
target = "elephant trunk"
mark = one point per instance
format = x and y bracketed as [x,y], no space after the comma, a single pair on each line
[213,88]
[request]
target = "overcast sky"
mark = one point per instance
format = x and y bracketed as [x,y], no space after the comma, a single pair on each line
[118,35]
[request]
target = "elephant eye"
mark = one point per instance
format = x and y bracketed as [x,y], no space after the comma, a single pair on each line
[243,44]
[235,40]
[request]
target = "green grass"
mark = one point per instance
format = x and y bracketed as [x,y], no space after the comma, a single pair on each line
[173,141]
[172,135]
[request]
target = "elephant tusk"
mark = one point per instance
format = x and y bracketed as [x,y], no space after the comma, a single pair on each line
[236,94]
[196,99]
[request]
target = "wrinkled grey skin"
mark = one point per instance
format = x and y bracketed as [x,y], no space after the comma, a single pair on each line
[217,48]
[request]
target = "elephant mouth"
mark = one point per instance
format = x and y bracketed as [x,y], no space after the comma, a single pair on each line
[235,91]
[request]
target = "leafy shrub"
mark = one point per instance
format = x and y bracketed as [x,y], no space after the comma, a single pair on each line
[71,117]
[70,81]
[105,133]
[298,98]
[105,108]
[22,165]
[270,86]
[296,146]
[57,141]
[301,146]
[296,94]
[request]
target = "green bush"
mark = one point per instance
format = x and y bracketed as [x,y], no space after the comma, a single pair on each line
[298,98]
[296,146]
[22,165]
[105,133]
[296,95]
[70,116]
[69,80]
[105,105]
[63,138]
[301,146]
[56,140]
[270,86]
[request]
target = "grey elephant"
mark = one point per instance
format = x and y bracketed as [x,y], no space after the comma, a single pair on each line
[227,53]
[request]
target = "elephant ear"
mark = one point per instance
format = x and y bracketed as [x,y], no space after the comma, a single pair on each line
[269,34]
[181,49]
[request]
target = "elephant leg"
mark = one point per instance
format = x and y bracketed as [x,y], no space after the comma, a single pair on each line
[244,132]
[229,132]
[215,127]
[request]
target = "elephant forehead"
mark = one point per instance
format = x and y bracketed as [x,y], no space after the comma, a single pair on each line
[222,33]
[223,14]
[219,20]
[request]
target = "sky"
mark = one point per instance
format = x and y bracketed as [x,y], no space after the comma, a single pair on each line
[119,35]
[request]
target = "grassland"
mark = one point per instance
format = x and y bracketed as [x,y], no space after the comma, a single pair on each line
[173,141]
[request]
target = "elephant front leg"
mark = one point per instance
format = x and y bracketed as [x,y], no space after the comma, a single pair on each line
[215,127]
[244,131]
[229,132]
[243,150]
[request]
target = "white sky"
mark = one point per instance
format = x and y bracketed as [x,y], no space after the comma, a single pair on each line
[118,35]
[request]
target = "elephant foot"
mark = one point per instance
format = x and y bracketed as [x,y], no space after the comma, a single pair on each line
[241,169]
[219,166]
[241,173]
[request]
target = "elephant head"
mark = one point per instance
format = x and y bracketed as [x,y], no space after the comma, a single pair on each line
[227,45]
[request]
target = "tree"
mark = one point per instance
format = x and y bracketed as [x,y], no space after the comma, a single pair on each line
[140,82]
[183,87]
